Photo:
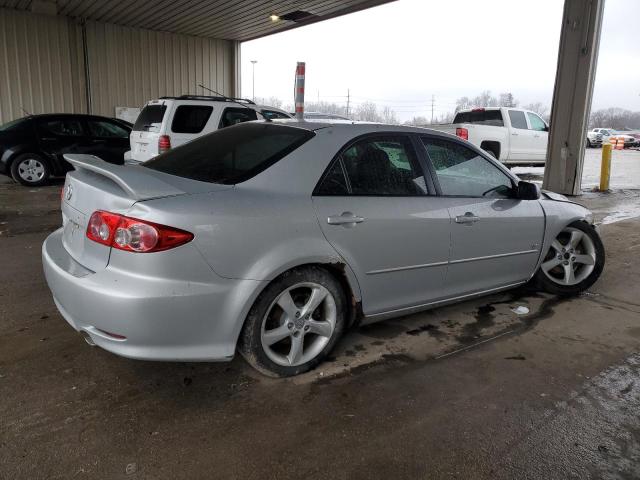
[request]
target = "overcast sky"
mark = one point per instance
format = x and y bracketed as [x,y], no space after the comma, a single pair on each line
[402,53]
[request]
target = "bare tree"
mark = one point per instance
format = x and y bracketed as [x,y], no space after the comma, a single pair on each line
[367,112]
[507,100]
[617,118]
[389,116]
[271,101]
[417,121]
[538,107]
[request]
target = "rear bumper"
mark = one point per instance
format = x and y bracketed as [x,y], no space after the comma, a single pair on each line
[160,319]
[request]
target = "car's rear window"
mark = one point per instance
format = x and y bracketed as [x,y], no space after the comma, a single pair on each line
[480,117]
[231,155]
[150,115]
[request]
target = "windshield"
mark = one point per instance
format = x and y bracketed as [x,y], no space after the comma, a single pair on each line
[14,124]
[231,155]
[150,115]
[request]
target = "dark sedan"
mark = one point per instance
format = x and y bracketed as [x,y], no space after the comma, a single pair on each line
[31,148]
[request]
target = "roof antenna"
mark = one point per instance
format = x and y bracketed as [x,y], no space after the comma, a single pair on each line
[24,111]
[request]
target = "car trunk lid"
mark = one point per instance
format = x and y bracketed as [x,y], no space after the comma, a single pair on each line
[97,185]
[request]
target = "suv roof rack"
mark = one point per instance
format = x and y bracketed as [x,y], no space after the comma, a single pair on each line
[209,98]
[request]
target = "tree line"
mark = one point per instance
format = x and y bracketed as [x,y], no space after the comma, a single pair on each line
[616,118]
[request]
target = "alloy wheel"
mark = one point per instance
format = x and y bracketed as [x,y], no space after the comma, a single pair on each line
[571,258]
[298,324]
[31,170]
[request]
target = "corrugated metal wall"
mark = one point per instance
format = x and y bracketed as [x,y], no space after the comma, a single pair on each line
[129,66]
[41,65]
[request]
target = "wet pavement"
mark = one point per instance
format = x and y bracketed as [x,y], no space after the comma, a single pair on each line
[515,385]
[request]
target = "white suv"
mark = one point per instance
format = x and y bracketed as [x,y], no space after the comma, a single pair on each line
[172,121]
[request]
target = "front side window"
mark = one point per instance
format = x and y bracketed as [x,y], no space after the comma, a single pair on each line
[464,173]
[191,118]
[231,155]
[103,129]
[61,128]
[380,166]
[232,116]
[273,115]
[536,122]
[518,119]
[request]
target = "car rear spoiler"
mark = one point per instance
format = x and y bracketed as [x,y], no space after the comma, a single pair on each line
[137,182]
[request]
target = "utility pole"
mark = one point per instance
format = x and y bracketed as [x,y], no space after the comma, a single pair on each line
[432,101]
[253,74]
[348,99]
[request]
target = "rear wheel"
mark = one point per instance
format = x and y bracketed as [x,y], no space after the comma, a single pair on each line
[589,143]
[574,261]
[294,323]
[30,169]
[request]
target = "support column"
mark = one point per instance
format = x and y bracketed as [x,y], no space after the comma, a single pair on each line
[575,76]
[236,87]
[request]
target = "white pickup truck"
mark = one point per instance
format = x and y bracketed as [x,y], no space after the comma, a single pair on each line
[514,136]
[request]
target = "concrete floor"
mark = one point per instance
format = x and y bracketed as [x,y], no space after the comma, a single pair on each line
[474,390]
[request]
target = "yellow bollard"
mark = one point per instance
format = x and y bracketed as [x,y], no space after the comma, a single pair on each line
[605,167]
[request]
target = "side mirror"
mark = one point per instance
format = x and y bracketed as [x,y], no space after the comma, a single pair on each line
[527,191]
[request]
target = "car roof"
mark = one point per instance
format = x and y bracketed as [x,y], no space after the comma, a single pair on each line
[361,127]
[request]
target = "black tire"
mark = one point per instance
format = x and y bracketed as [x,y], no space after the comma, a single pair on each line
[30,179]
[589,143]
[491,153]
[250,344]
[543,282]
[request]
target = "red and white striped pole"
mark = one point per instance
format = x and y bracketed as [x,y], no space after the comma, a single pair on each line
[299,93]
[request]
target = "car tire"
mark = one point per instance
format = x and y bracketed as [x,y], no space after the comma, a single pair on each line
[589,143]
[287,332]
[31,170]
[574,261]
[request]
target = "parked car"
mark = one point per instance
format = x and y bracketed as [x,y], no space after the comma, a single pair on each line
[514,136]
[322,116]
[271,238]
[598,136]
[169,122]
[32,148]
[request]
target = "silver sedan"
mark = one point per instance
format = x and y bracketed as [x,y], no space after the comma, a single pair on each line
[272,238]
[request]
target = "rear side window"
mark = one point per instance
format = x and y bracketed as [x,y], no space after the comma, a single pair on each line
[150,116]
[191,118]
[232,116]
[380,166]
[481,117]
[232,155]
[518,119]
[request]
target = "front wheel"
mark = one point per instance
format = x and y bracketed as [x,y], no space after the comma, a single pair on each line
[574,261]
[30,169]
[294,323]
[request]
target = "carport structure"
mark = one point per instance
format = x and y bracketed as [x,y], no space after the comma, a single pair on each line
[91,56]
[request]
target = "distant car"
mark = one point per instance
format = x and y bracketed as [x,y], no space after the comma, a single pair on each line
[323,116]
[596,136]
[271,238]
[169,122]
[31,148]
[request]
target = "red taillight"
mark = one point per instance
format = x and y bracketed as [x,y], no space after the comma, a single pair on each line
[133,235]
[164,143]
[462,133]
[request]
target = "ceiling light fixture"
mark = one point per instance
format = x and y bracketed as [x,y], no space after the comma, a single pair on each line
[274,17]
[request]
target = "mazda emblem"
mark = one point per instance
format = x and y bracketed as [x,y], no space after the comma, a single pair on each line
[68,192]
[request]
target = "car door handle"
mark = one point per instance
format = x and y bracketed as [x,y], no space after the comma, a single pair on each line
[468,218]
[347,219]
[515,134]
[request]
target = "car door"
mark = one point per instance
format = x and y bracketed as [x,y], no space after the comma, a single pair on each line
[495,238]
[520,138]
[108,140]
[374,207]
[540,136]
[61,134]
